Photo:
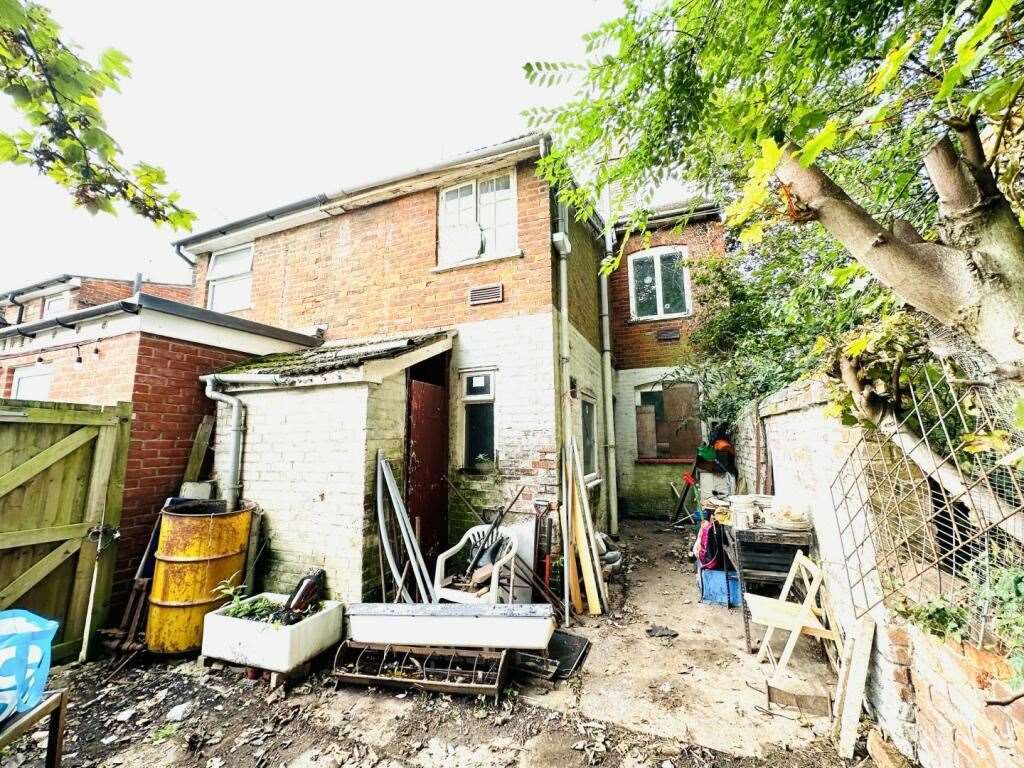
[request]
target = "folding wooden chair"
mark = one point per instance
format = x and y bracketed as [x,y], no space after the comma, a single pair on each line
[795,618]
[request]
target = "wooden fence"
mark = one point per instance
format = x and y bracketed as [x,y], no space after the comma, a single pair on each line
[61,484]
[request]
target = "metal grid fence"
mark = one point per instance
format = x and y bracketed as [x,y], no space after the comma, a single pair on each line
[929,506]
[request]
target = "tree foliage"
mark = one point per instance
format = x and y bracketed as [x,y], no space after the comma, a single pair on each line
[719,92]
[57,94]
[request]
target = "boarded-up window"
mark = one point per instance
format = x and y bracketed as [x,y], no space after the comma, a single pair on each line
[666,421]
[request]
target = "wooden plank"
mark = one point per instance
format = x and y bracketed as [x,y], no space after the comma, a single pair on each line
[26,722]
[37,572]
[76,623]
[646,432]
[57,416]
[583,551]
[200,445]
[588,526]
[42,535]
[569,572]
[844,677]
[853,700]
[29,469]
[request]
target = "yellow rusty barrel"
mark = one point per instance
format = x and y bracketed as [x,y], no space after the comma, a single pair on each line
[195,552]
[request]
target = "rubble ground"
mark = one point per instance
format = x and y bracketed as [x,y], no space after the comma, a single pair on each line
[164,713]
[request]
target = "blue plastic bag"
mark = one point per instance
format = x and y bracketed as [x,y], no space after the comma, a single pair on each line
[25,647]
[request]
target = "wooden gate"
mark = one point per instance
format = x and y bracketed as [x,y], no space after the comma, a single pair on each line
[61,483]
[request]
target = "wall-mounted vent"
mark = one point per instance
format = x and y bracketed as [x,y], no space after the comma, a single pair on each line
[668,334]
[486,294]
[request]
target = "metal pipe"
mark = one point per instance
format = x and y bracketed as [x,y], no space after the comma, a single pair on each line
[29,329]
[232,487]
[606,377]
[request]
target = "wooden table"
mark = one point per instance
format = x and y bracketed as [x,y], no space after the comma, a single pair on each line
[54,706]
[756,567]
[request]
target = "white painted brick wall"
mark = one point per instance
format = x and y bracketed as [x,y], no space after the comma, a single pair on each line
[304,464]
[585,363]
[521,349]
[626,382]
[807,450]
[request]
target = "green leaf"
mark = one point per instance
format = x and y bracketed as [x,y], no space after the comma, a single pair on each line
[891,65]
[19,93]
[114,62]
[824,140]
[8,149]
[12,14]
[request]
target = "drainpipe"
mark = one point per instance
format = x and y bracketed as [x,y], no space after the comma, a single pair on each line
[606,377]
[232,487]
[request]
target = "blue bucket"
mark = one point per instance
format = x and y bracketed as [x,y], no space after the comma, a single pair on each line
[25,641]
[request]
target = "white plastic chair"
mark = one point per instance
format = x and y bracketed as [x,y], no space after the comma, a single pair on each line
[506,556]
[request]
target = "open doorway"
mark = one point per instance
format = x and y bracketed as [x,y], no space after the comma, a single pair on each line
[427,452]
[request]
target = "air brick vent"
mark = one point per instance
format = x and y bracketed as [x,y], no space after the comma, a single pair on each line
[486,294]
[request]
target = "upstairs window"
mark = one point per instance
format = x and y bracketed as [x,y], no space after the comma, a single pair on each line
[56,305]
[478,407]
[229,280]
[477,218]
[659,284]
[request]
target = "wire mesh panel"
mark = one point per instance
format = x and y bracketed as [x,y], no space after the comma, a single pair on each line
[929,504]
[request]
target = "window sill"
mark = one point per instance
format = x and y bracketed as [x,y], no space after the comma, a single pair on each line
[666,461]
[476,262]
[660,318]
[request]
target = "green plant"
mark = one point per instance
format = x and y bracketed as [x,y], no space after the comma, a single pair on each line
[164,732]
[258,609]
[938,617]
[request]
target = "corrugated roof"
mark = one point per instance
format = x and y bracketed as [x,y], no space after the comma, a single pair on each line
[332,356]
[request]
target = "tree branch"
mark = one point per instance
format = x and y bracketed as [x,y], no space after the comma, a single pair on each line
[958,191]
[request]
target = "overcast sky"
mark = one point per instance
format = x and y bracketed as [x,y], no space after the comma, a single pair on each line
[249,105]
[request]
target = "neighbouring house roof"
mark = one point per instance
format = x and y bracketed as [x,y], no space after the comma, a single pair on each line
[333,357]
[324,205]
[153,315]
[691,210]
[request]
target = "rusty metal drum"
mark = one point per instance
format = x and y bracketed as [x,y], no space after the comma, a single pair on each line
[198,548]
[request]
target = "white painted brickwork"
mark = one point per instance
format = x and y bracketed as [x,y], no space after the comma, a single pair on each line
[304,464]
[585,363]
[626,382]
[521,352]
[807,450]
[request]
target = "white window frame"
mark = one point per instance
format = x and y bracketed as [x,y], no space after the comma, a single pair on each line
[464,375]
[484,255]
[49,300]
[32,372]
[656,253]
[590,477]
[212,283]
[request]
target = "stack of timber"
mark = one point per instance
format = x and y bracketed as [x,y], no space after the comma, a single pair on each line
[579,542]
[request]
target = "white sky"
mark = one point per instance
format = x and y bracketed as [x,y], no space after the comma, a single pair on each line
[249,105]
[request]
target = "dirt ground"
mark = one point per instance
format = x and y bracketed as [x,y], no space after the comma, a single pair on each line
[640,701]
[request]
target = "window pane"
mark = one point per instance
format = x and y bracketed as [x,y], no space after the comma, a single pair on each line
[644,288]
[657,399]
[673,283]
[231,295]
[55,305]
[589,438]
[479,434]
[229,264]
[478,384]
[32,383]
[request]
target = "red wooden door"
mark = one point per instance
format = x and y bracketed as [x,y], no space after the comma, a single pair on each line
[428,464]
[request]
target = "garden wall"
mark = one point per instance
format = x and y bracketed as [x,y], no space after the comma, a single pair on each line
[928,695]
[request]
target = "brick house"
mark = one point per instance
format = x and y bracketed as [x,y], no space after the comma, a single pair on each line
[470,254]
[137,348]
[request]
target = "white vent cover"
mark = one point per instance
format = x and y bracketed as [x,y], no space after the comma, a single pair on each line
[486,294]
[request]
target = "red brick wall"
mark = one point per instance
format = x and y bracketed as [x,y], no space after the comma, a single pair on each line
[168,404]
[106,380]
[97,290]
[634,342]
[950,684]
[368,271]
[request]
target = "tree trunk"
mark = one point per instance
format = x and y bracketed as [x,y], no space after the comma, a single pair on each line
[973,280]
